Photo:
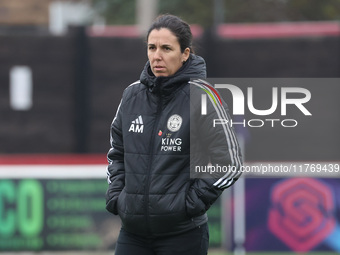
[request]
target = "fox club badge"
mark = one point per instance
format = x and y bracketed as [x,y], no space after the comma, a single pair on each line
[174,123]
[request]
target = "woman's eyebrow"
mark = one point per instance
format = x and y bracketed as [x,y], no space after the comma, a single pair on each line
[163,45]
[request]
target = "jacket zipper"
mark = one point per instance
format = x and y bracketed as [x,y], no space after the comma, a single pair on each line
[151,153]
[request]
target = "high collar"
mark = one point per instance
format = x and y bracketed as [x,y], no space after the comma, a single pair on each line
[194,67]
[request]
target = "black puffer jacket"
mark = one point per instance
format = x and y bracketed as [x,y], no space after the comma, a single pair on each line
[148,173]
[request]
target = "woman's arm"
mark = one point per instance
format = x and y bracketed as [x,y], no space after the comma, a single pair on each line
[218,145]
[115,169]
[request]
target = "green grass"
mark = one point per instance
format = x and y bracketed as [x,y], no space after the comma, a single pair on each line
[219,252]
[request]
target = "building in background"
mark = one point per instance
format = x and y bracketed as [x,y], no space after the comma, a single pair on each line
[24,13]
[45,15]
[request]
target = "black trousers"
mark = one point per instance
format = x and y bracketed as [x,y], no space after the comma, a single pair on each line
[193,242]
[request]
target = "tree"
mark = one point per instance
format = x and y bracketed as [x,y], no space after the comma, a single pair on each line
[235,11]
[116,12]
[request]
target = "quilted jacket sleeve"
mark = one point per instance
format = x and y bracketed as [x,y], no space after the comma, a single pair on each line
[217,143]
[115,169]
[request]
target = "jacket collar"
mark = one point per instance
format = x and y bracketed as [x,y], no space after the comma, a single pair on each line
[194,67]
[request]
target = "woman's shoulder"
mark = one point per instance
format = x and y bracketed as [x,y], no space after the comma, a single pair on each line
[133,89]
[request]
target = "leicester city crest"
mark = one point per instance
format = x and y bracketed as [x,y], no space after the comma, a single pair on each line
[174,123]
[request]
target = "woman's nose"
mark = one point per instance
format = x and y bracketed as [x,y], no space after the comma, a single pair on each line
[157,55]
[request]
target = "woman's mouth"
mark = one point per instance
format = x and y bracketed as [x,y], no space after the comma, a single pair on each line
[159,68]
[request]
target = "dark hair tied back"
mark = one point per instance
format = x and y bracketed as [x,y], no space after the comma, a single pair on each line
[177,26]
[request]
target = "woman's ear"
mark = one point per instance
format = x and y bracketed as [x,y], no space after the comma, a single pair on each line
[185,55]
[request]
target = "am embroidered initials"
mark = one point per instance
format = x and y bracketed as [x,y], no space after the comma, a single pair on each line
[137,125]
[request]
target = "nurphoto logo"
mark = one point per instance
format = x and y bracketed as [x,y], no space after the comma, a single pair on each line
[282,97]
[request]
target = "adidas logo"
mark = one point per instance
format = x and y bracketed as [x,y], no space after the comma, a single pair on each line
[137,125]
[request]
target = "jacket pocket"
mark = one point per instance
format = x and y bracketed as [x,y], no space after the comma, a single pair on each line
[121,201]
[194,205]
[111,201]
[111,206]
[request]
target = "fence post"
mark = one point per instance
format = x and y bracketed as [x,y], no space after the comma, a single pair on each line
[82,85]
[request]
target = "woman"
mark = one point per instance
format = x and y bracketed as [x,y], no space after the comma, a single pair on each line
[163,210]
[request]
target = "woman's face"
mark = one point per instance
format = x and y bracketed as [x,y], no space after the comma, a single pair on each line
[164,52]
